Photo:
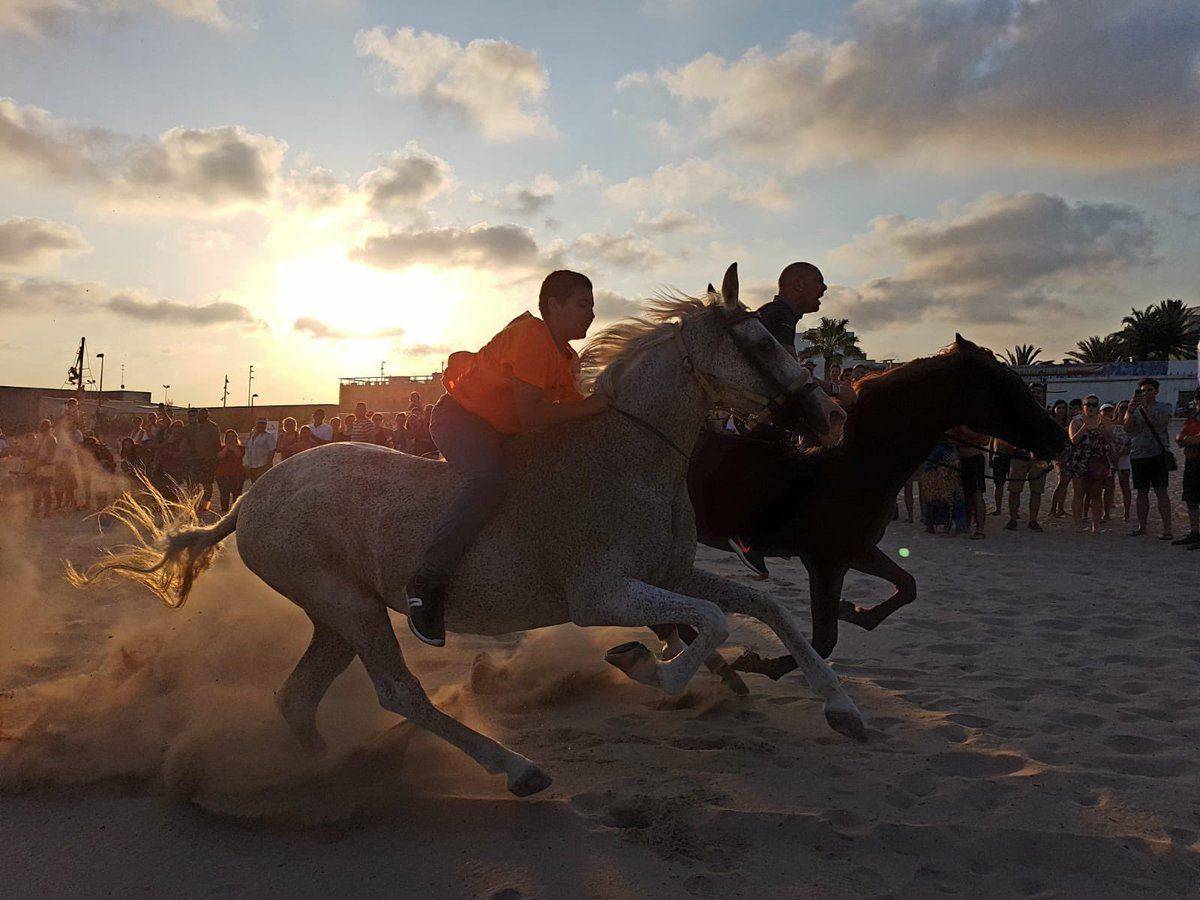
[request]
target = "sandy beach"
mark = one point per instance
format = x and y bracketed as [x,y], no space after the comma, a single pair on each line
[1033,726]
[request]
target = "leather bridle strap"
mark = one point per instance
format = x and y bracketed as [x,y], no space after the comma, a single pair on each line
[798,388]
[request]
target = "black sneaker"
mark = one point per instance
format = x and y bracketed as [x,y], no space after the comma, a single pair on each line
[426,618]
[751,559]
[1188,539]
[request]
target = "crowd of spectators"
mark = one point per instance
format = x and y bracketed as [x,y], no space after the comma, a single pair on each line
[68,468]
[1115,450]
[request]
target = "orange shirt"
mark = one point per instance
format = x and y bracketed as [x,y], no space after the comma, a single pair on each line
[482,382]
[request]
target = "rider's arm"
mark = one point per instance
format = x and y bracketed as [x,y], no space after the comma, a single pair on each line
[534,408]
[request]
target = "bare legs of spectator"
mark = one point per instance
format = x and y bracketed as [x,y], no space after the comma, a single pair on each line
[1164,509]
[1058,503]
[1094,492]
[1079,498]
[976,508]
[908,499]
[1126,494]
[998,506]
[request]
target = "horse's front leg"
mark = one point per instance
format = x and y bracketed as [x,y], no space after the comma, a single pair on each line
[840,711]
[879,564]
[631,603]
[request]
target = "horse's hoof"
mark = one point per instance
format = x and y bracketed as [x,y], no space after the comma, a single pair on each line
[528,782]
[846,720]
[635,660]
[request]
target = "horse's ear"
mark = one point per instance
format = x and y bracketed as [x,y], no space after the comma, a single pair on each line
[729,286]
[711,289]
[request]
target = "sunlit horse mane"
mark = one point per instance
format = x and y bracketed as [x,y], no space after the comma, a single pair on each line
[611,349]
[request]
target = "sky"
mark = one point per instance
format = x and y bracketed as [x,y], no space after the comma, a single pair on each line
[322,188]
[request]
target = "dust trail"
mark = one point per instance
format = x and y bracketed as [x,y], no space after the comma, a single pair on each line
[106,684]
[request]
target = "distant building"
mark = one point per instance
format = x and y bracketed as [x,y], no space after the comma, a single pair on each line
[21,408]
[388,393]
[1115,381]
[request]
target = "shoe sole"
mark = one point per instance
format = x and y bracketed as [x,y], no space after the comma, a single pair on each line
[740,554]
[424,639]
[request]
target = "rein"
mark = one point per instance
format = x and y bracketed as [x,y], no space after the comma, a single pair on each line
[638,420]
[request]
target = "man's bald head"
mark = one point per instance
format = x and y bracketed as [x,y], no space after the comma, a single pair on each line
[801,286]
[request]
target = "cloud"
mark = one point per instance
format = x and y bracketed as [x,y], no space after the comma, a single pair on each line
[674,221]
[40,18]
[35,18]
[210,169]
[632,80]
[318,329]
[621,251]
[407,180]
[1085,83]
[494,85]
[50,297]
[426,349]
[36,144]
[523,199]
[696,181]
[315,188]
[611,305]
[587,177]
[34,243]
[1002,258]
[481,246]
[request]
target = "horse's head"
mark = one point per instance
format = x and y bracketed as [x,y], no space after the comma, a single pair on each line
[743,367]
[992,399]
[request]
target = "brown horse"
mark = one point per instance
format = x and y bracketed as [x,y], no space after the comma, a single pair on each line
[830,507]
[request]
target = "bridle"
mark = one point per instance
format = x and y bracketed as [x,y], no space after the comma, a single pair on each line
[712,386]
[801,387]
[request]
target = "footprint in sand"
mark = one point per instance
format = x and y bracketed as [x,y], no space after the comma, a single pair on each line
[970,721]
[976,765]
[1133,744]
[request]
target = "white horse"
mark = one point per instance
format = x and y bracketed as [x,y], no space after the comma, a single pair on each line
[597,529]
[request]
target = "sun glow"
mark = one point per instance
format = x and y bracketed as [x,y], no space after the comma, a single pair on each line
[414,306]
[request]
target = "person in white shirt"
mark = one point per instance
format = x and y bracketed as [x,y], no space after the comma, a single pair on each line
[260,451]
[322,431]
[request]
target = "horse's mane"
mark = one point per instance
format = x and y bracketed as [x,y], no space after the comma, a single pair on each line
[613,347]
[904,375]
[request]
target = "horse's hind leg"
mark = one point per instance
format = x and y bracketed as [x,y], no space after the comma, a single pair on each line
[365,624]
[877,563]
[326,658]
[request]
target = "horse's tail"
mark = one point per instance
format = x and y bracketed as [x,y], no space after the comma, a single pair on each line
[170,547]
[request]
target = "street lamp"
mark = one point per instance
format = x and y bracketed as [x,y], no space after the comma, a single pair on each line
[252,396]
[100,400]
[166,402]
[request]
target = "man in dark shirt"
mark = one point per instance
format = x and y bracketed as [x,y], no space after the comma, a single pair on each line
[801,286]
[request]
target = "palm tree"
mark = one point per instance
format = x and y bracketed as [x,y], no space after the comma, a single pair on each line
[1098,349]
[1167,330]
[832,341]
[1022,355]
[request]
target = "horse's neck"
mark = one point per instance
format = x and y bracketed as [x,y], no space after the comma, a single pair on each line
[656,389]
[897,428]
